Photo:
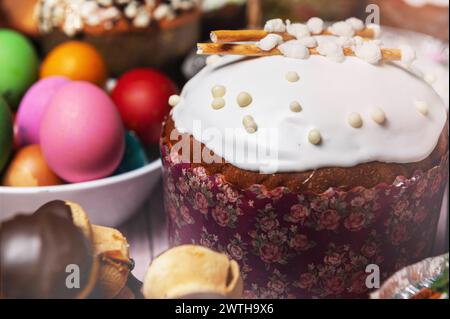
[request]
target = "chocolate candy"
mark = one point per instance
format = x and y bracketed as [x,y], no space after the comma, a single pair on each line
[35,251]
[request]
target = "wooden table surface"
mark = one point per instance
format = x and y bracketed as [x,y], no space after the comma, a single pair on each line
[146,232]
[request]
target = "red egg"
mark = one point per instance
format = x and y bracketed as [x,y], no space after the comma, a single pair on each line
[142,95]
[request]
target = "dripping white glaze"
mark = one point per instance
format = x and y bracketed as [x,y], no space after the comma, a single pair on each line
[327,92]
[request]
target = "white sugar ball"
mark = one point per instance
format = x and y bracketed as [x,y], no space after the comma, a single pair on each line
[174,100]
[355,120]
[422,107]
[314,137]
[378,116]
[295,107]
[315,25]
[269,42]
[275,25]
[369,52]
[244,99]
[357,24]
[218,91]
[218,103]
[294,49]
[292,76]
[249,124]
[298,30]
[343,29]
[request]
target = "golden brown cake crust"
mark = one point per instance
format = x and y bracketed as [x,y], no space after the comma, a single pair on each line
[319,180]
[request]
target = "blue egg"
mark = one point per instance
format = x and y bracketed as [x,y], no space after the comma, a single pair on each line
[134,156]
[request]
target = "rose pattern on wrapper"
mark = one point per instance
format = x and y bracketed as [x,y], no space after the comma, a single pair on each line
[300,244]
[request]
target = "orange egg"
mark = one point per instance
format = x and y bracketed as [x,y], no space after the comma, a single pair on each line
[75,60]
[29,169]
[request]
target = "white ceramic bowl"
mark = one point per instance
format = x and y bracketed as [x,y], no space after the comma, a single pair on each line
[109,201]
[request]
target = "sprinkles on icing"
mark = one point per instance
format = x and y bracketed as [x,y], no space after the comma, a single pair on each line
[249,124]
[299,119]
[174,100]
[350,37]
[292,76]
[244,99]
[218,103]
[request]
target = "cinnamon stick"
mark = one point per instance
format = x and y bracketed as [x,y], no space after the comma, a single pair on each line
[253,50]
[226,36]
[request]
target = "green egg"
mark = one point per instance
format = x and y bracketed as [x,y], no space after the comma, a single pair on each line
[19,66]
[6,133]
[134,156]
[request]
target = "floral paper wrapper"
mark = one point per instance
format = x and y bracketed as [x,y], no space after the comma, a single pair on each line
[305,245]
[407,282]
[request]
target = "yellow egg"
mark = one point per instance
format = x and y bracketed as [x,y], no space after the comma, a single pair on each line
[29,169]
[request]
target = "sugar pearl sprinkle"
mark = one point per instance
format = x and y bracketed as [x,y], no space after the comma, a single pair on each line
[244,99]
[295,107]
[314,137]
[269,42]
[378,116]
[355,120]
[218,103]
[275,25]
[422,107]
[369,52]
[218,91]
[298,30]
[249,124]
[294,49]
[292,76]
[315,25]
[174,100]
[343,29]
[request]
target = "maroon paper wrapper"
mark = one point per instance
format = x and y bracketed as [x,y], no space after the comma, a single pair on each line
[300,244]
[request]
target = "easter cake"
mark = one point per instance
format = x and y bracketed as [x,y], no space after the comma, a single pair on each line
[311,155]
[128,33]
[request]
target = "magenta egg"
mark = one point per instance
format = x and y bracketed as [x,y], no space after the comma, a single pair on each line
[33,106]
[82,135]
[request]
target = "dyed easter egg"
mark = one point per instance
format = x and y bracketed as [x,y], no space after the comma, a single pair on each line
[33,106]
[141,96]
[77,61]
[29,168]
[6,133]
[134,156]
[82,135]
[18,66]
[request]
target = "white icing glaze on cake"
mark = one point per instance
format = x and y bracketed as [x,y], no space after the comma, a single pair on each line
[328,93]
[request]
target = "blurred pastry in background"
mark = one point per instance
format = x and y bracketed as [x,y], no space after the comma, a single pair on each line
[19,15]
[302,10]
[128,33]
[223,14]
[426,16]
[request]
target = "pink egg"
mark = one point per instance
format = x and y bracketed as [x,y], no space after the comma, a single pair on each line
[33,106]
[82,136]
